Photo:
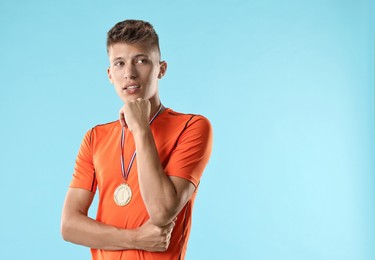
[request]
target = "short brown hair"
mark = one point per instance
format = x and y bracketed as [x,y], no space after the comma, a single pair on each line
[131,32]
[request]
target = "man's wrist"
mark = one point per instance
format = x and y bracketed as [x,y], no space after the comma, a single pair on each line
[128,238]
[141,132]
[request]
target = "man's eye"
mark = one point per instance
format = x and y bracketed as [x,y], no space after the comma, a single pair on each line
[119,64]
[142,61]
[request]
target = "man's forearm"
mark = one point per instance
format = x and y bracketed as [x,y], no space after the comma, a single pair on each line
[163,196]
[158,192]
[78,228]
[81,229]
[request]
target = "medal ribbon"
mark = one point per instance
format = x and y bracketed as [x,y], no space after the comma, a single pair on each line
[125,172]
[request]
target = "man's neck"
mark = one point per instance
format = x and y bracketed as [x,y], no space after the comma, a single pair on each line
[155,106]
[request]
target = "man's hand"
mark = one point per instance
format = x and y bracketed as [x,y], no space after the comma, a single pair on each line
[153,238]
[135,114]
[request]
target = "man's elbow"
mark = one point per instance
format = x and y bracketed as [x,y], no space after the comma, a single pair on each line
[66,229]
[162,218]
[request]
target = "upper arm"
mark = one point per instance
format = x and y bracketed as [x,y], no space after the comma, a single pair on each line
[189,158]
[77,201]
[84,170]
[184,191]
[192,151]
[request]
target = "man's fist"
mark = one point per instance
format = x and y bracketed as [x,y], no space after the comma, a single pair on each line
[153,238]
[135,114]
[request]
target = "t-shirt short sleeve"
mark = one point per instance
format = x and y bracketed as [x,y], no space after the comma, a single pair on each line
[84,171]
[193,150]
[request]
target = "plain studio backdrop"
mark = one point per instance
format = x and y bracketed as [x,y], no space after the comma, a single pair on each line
[287,85]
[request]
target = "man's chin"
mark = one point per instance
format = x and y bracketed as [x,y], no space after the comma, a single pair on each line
[129,98]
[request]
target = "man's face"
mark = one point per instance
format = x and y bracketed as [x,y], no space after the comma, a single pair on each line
[134,70]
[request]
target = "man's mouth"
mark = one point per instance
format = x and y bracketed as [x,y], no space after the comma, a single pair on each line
[131,87]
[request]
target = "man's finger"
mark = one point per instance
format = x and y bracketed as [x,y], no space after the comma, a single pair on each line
[122,119]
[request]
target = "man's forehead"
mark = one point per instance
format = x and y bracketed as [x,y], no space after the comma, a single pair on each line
[126,50]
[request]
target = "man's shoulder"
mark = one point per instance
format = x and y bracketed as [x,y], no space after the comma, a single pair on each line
[173,115]
[177,119]
[103,129]
[109,125]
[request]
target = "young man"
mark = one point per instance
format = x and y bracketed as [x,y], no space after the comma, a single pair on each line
[146,166]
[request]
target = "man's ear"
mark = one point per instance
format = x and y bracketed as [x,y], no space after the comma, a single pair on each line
[109,75]
[163,69]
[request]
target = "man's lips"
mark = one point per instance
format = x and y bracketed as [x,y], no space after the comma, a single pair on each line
[130,87]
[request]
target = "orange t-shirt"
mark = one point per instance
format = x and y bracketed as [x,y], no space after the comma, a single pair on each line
[184,145]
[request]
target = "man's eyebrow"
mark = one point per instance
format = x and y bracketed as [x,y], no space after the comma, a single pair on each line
[141,55]
[135,56]
[118,58]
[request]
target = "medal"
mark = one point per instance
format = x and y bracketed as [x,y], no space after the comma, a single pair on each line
[123,194]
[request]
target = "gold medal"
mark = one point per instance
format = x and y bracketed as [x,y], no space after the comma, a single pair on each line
[122,195]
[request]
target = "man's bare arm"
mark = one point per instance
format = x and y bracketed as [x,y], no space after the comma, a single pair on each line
[78,228]
[164,196]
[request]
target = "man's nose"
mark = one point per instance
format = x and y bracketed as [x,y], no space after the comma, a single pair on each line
[130,71]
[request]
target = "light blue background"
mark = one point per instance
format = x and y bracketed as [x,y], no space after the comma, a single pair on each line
[288,87]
